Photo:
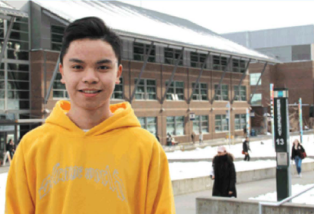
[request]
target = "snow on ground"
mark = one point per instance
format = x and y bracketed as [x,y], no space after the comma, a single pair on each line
[181,170]
[257,149]
[3,181]
[305,198]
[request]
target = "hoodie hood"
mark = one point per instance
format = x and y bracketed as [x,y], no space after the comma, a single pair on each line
[123,117]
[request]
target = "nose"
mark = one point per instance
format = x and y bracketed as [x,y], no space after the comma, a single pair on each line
[90,76]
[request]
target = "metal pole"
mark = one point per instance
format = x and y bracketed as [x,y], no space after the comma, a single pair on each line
[52,80]
[258,82]
[6,39]
[222,77]
[229,122]
[172,75]
[198,78]
[142,70]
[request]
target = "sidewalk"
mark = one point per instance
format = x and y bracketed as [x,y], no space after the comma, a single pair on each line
[224,141]
[185,204]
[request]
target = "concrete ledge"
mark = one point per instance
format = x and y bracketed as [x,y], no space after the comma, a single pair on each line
[211,159]
[189,185]
[229,205]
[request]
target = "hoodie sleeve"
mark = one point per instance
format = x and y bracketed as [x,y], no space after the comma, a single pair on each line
[233,178]
[18,197]
[159,199]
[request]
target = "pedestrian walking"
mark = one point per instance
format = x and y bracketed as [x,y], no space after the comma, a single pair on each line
[193,137]
[297,154]
[246,149]
[224,174]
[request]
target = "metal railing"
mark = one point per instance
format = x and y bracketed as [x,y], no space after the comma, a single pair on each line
[279,203]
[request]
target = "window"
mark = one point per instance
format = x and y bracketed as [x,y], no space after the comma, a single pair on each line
[175,91]
[146,89]
[59,90]
[171,56]
[175,125]
[118,91]
[240,121]
[200,124]
[149,123]
[238,66]
[256,100]
[197,59]
[138,52]
[240,93]
[56,37]
[221,123]
[17,47]
[200,92]
[254,78]
[222,92]
[18,86]
[219,63]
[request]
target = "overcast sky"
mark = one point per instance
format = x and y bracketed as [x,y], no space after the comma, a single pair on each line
[233,16]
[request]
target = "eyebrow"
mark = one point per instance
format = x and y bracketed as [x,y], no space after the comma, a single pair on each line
[98,62]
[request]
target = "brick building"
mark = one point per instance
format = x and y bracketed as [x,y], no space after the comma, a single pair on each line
[173,68]
[294,46]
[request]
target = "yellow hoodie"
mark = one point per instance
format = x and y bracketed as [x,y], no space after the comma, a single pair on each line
[115,167]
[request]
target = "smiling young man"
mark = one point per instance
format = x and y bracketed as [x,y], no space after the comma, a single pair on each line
[89,156]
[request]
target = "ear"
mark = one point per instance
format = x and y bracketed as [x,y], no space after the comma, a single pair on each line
[119,73]
[62,73]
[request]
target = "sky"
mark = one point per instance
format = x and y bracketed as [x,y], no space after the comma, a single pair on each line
[225,16]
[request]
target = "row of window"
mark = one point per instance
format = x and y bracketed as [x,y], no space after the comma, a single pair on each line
[175,125]
[147,90]
[170,54]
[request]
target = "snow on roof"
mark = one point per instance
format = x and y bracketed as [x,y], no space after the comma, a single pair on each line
[9,10]
[4,5]
[135,21]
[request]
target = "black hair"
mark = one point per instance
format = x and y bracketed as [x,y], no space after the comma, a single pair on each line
[90,28]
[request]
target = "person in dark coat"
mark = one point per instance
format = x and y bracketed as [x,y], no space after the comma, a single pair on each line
[224,174]
[246,149]
[169,140]
[193,137]
[296,155]
[10,147]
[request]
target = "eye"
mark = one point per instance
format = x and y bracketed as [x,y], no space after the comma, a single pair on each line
[77,67]
[103,67]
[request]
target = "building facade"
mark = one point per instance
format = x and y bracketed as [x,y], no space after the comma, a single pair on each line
[168,82]
[294,47]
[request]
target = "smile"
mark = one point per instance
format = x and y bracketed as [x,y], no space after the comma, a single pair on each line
[90,91]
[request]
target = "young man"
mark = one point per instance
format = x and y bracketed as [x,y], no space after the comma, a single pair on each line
[90,156]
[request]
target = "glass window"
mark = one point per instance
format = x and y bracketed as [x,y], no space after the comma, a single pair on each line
[139,51]
[240,93]
[171,56]
[256,100]
[238,66]
[200,124]
[200,92]
[56,37]
[197,59]
[222,93]
[221,123]
[175,125]
[175,91]
[146,89]
[59,90]
[149,123]
[240,121]
[118,91]
[254,78]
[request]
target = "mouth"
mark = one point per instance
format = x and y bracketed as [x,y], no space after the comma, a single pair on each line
[90,91]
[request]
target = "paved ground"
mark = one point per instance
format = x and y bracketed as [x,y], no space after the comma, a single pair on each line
[185,204]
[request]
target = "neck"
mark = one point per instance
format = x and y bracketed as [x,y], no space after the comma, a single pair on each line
[87,119]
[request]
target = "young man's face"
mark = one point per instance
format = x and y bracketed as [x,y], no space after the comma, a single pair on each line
[90,70]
